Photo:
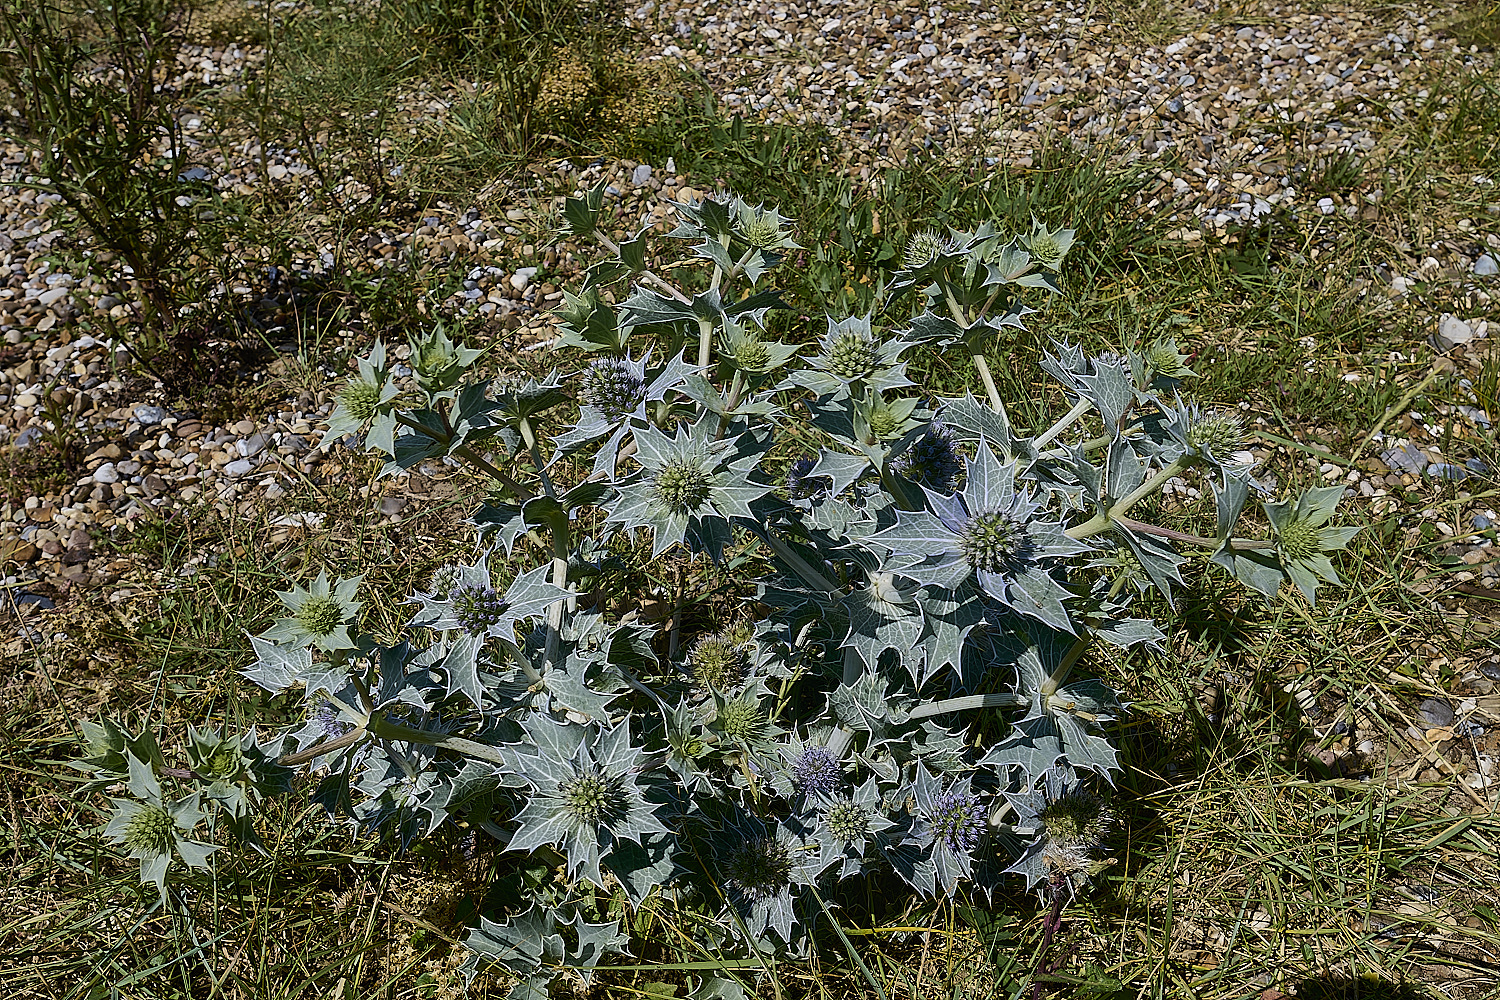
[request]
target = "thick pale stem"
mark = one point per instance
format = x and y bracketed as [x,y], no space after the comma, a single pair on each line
[968,703]
[1102,522]
[648,276]
[555,610]
[705,342]
[983,367]
[528,436]
[1079,409]
[1059,676]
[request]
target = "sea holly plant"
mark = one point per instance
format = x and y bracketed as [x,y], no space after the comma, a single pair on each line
[903,705]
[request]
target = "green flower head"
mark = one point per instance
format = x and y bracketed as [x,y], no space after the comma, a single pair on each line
[1304,538]
[364,397]
[321,615]
[1048,246]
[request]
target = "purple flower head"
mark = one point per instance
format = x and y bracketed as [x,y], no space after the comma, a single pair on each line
[958,820]
[932,461]
[816,771]
[478,608]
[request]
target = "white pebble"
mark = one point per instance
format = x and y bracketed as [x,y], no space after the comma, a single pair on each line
[106,474]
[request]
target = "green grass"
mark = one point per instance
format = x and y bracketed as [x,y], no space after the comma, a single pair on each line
[1244,862]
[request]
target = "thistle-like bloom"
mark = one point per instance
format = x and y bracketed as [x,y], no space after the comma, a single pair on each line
[1210,437]
[152,829]
[1165,360]
[438,362]
[853,360]
[588,796]
[761,871]
[1304,537]
[957,819]
[988,533]
[320,616]
[849,826]
[933,460]
[816,772]
[330,721]
[362,397]
[923,248]
[1048,246]
[478,608]
[690,488]
[463,600]
[950,821]
[801,484]
[1069,825]
[721,660]
[760,228]
[808,771]
[613,386]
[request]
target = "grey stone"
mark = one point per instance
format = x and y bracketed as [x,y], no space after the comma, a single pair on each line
[641,174]
[239,467]
[1453,332]
[149,415]
[1436,712]
[1442,470]
[253,445]
[106,474]
[1405,459]
[1486,266]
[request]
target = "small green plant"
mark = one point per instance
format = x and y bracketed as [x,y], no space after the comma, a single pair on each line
[907,711]
[90,84]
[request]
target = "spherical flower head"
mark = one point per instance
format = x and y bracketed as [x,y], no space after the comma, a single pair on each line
[884,423]
[932,461]
[848,820]
[1077,818]
[360,398]
[1299,539]
[594,799]
[751,356]
[1163,358]
[758,868]
[478,608]
[719,661]
[802,486]
[612,387]
[958,820]
[151,829]
[1218,434]
[434,358]
[224,762]
[741,720]
[320,615]
[444,581]
[681,486]
[1045,249]
[994,541]
[922,248]
[328,719]
[761,231]
[852,356]
[816,772]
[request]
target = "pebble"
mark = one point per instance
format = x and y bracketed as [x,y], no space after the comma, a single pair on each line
[239,467]
[1436,712]
[150,415]
[106,474]
[1453,332]
[1486,266]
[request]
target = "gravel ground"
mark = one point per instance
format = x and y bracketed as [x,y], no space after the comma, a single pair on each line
[1234,104]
